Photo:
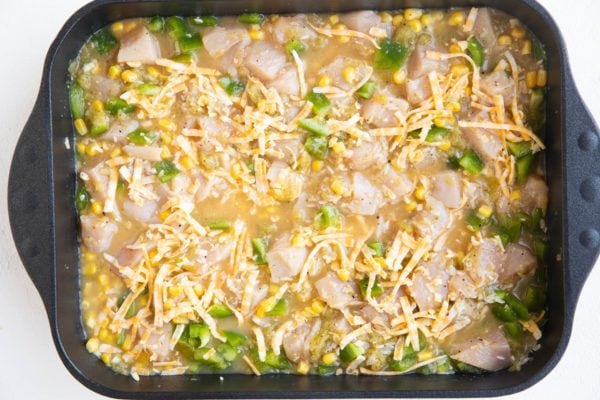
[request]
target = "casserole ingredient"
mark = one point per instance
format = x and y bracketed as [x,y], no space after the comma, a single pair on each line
[326,194]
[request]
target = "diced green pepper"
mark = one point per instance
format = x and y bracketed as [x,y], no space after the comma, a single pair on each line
[183,58]
[511,227]
[320,102]
[350,352]
[376,290]
[259,249]
[296,45]
[468,368]
[189,42]
[148,89]
[279,362]
[77,100]
[176,27]
[471,162]
[405,35]
[156,24]
[367,90]
[515,304]
[377,248]
[538,50]
[391,55]
[513,329]
[103,41]
[326,370]
[251,18]
[201,332]
[227,351]
[436,134]
[82,199]
[404,364]
[121,337]
[166,170]
[215,360]
[541,249]
[453,162]
[114,105]
[476,51]
[142,137]
[279,310]
[328,216]
[234,338]
[503,312]
[315,126]
[519,149]
[523,166]
[218,310]
[317,146]
[475,221]
[219,225]
[99,123]
[534,298]
[231,86]
[536,114]
[204,20]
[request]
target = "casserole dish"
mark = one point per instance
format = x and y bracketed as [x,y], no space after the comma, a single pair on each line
[46,166]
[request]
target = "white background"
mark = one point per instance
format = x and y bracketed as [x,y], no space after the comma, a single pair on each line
[29,365]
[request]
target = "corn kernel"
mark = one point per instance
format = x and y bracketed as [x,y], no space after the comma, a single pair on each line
[437,15]
[167,124]
[504,40]
[114,71]
[105,357]
[349,74]
[531,79]
[298,240]
[515,195]
[127,343]
[80,126]
[415,25]
[153,72]
[518,32]
[420,193]
[187,162]
[339,148]
[440,122]
[96,207]
[317,165]
[460,70]
[97,105]
[427,19]
[117,27]
[317,306]
[455,48]
[456,18]
[381,98]
[329,358]
[116,152]
[165,152]
[411,206]
[334,19]
[273,288]
[129,26]
[91,150]
[80,148]
[89,256]
[89,269]
[104,335]
[396,164]
[397,19]
[411,14]
[175,291]
[340,27]
[129,76]
[542,78]
[168,305]
[445,145]
[343,275]
[324,81]
[92,345]
[103,279]
[256,35]
[164,214]
[485,211]
[454,106]
[399,76]
[386,17]
[303,368]
[199,290]
[424,355]
[526,48]
[343,39]
[338,187]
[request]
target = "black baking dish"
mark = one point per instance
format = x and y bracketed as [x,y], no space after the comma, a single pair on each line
[44,222]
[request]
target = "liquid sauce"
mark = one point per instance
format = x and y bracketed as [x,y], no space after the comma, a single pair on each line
[357,193]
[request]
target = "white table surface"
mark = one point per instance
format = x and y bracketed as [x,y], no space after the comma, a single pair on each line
[29,365]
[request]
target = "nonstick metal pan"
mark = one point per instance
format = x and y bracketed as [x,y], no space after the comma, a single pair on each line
[44,221]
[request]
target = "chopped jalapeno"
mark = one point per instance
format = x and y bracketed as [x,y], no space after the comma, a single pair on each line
[476,51]
[377,248]
[183,58]
[523,167]
[296,45]
[259,248]
[405,363]
[513,329]
[82,199]
[391,54]
[235,338]
[376,290]
[436,134]
[99,123]
[166,170]
[114,105]
[315,126]
[189,42]
[328,216]
[519,149]
[317,146]
[279,310]
[156,24]
[149,89]
[77,100]
[219,225]
[200,332]
[541,249]
[503,312]
[103,41]
[142,137]
[175,27]
[251,18]
[367,90]
[326,370]
[320,102]
[279,362]
[219,310]
[231,86]
[471,162]
[515,304]
[204,20]
[534,298]
[351,352]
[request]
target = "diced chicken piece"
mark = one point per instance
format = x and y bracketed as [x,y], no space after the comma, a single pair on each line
[367,154]
[139,45]
[286,185]
[447,188]
[419,65]
[498,83]
[485,143]
[119,130]
[259,294]
[418,90]
[433,220]
[285,260]
[489,351]
[103,86]
[213,126]
[150,153]
[363,21]
[129,257]
[98,175]
[286,83]
[233,58]
[288,28]
[382,116]
[399,183]
[158,342]
[519,262]
[335,68]
[286,150]
[482,262]
[430,284]
[534,194]
[211,254]
[145,213]
[461,284]
[370,314]
[180,186]
[366,197]
[296,343]
[218,40]
[337,294]
[432,160]
[97,232]
[484,28]
[264,60]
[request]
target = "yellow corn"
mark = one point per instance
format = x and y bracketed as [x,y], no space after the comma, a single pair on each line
[165,152]
[542,78]
[460,70]
[104,335]
[92,345]
[303,368]
[397,19]
[265,306]
[91,150]
[129,26]
[114,71]
[325,80]
[80,148]
[103,279]
[343,39]
[456,18]
[518,32]
[89,256]
[164,214]
[338,187]
[329,358]
[116,152]
[98,105]
[437,15]
[399,76]
[485,211]
[153,72]
[117,27]
[343,274]
[334,19]
[168,305]
[386,17]
[317,165]
[175,291]
[445,145]
[298,240]
[167,124]
[105,357]
[339,148]
[129,76]
[411,206]
[454,106]
[80,126]
[96,207]
[256,35]
[504,40]
[420,193]
[381,98]
[427,19]
[89,269]
[199,290]
[410,14]
[515,195]
[127,343]
[187,162]
[455,48]
[440,122]
[531,79]
[396,164]
[424,355]
[273,288]
[526,48]
[317,306]
[340,27]
[349,74]
[415,25]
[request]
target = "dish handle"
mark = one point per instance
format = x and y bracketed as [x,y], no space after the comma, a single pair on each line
[30,200]
[583,190]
